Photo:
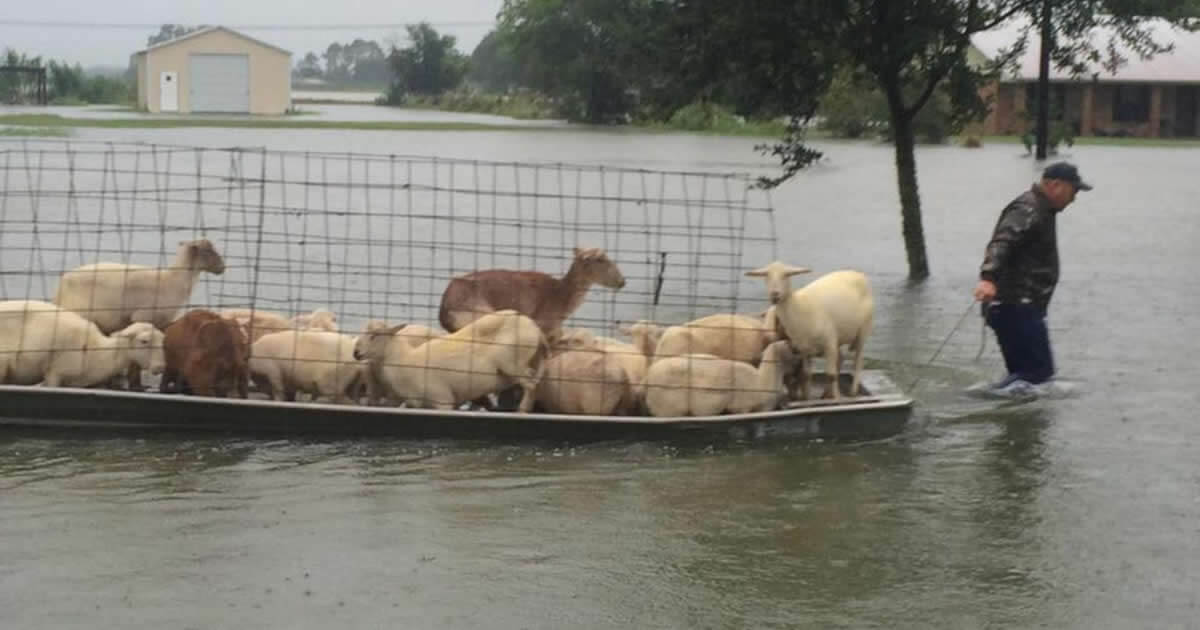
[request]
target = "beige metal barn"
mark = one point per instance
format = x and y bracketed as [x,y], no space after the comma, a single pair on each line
[214,70]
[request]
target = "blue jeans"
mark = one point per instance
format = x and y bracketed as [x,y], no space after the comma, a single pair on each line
[1024,340]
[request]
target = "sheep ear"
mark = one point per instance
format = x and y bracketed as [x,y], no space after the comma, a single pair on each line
[578,252]
[625,329]
[757,273]
[795,270]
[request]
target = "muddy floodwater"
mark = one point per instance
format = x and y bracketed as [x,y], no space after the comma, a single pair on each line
[1079,512]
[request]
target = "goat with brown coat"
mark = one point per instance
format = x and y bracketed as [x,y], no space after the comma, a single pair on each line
[547,300]
[206,355]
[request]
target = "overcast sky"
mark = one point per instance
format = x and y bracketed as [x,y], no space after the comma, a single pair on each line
[112,46]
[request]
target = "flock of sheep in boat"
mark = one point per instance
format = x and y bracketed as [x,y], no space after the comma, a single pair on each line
[502,328]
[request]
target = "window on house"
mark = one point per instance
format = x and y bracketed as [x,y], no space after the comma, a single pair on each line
[1131,103]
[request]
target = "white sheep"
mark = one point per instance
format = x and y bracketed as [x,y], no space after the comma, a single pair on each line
[707,385]
[373,348]
[41,342]
[726,335]
[114,295]
[645,336]
[588,381]
[634,357]
[319,319]
[494,352]
[834,310]
[256,323]
[318,362]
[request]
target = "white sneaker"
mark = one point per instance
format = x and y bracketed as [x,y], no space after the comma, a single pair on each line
[1009,388]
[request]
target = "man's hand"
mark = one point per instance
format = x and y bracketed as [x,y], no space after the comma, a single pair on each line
[985,291]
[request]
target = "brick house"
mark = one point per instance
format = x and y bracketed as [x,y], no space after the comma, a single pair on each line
[1158,97]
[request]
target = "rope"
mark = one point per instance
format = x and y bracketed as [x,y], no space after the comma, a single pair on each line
[942,345]
[982,331]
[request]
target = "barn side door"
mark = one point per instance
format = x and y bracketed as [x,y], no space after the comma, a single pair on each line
[168,92]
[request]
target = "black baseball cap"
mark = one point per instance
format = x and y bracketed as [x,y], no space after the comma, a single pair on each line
[1066,172]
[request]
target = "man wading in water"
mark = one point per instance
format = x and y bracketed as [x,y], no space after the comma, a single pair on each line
[1018,275]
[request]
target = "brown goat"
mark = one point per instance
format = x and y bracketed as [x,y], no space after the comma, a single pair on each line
[545,299]
[206,355]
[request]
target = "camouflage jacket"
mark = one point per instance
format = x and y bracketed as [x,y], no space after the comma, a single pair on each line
[1022,257]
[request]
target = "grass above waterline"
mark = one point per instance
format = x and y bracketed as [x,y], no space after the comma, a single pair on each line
[56,121]
[39,132]
[51,125]
[50,121]
[1110,141]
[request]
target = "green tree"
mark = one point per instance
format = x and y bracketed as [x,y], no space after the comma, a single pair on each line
[64,81]
[336,64]
[910,50]
[492,65]
[17,88]
[366,61]
[309,67]
[430,65]
[582,52]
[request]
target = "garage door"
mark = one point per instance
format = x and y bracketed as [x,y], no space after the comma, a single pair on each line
[220,83]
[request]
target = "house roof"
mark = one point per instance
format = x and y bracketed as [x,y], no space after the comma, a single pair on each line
[206,30]
[1182,65]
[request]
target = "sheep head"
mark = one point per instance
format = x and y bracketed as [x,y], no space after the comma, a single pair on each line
[372,344]
[597,267]
[645,334]
[777,275]
[373,325]
[319,319]
[146,345]
[202,256]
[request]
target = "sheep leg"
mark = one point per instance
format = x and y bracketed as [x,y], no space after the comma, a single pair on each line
[278,392]
[529,383]
[373,389]
[832,371]
[169,382]
[243,385]
[856,381]
[806,379]
[134,376]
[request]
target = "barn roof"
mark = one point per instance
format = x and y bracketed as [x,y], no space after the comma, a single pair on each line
[1182,65]
[206,30]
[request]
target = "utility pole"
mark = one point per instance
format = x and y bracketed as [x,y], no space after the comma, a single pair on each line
[1043,87]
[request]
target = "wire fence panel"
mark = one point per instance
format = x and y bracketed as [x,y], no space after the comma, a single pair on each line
[378,236]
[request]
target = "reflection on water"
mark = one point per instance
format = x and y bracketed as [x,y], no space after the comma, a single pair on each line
[1073,513]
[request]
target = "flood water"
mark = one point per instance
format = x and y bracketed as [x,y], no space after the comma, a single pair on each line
[1081,512]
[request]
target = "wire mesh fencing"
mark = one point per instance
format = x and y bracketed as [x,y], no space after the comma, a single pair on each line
[371,238]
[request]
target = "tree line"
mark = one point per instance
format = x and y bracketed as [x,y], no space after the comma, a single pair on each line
[66,84]
[905,65]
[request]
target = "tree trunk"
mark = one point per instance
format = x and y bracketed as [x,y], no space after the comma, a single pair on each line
[910,199]
[1043,86]
[906,175]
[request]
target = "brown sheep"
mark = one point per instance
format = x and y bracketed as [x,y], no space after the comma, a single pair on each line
[206,356]
[547,300]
